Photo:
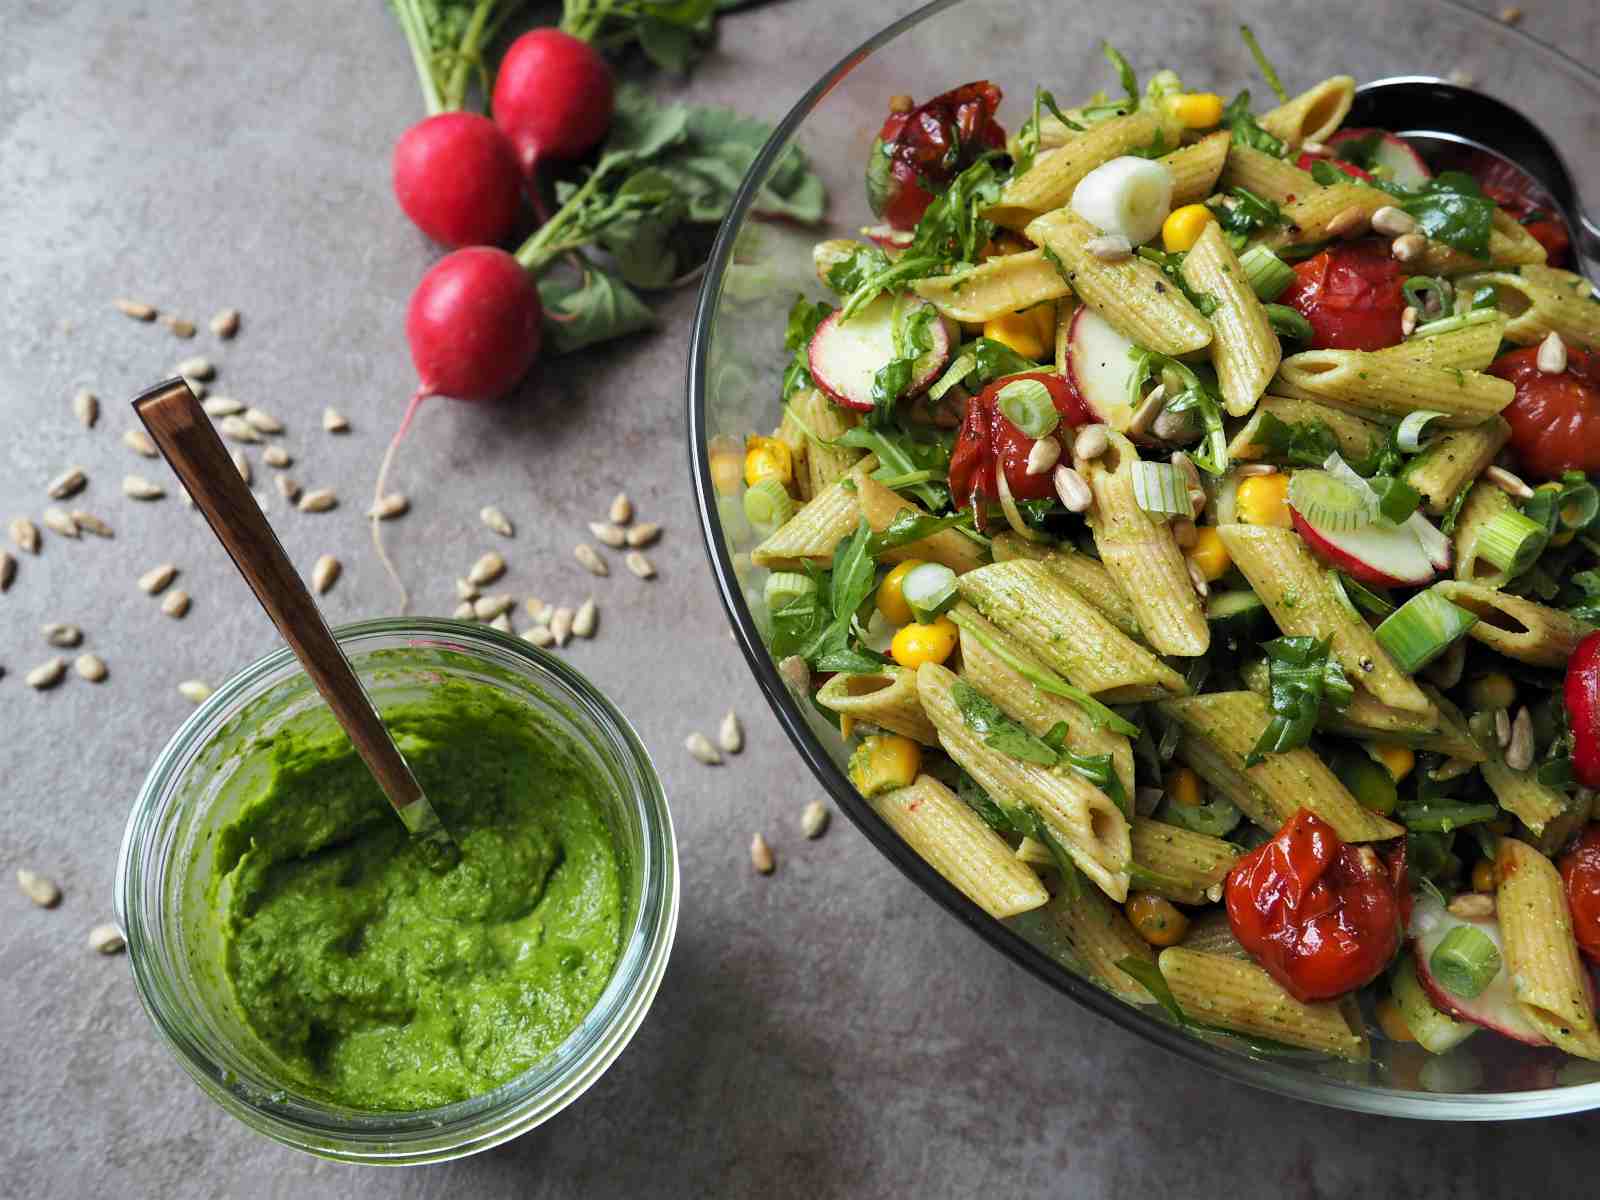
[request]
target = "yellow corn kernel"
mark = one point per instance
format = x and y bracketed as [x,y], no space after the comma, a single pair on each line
[891,598]
[1030,332]
[917,644]
[1264,500]
[1484,879]
[1396,759]
[884,762]
[1183,785]
[727,464]
[1197,110]
[767,458]
[1392,1021]
[1209,554]
[1183,227]
[1156,920]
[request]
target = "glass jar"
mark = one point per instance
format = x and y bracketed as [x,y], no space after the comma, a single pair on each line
[204,774]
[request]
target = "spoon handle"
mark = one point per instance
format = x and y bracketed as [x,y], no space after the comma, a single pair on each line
[185,436]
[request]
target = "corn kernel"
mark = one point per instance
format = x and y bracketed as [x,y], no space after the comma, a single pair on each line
[1392,1021]
[1397,760]
[1183,227]
[1029,332]
[1489,692]
[1483,876]
[1183,786]
[1197,110]
[1209,554]
[917,644]
[1264,500]
[884,762]
[767,458]
[1156,920]
[891,598]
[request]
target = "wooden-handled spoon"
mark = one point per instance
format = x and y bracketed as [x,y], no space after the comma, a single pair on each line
[186,438]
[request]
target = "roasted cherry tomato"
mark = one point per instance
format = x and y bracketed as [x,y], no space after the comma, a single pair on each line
[1320,915]
[921,150]
[1524,200]
[1582,695]
[1555,419]
[1306,161]
[1351,293]
[1580,872]
[986,437]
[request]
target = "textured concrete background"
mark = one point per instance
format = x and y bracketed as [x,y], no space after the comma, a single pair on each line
[822,1032]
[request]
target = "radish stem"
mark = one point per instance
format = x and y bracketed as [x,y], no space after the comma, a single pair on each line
[417,397]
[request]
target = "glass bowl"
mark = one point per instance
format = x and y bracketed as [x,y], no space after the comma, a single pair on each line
[757,268]
[173,943]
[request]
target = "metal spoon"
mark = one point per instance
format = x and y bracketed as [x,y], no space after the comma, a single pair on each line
[186,438]
[1442,120]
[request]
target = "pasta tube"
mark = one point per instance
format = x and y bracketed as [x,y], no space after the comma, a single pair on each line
[1050,182]
[1454,460]
[1090,932]
[1470,348]
[1540,300]
[1541,953]
[1483,503]
[812,534]
[1244,348]
[1267,176]
[1358,438]
[1191,865]
[1196,168]
[880,506]
[825,463]
[1370,385]
[1004,284]
[1515,626]
[1510,245]
[887,699]
[1312,115]
[1084,575]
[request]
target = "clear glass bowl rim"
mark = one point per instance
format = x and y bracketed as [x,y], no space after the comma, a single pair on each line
[520,1104]
[1497,1106]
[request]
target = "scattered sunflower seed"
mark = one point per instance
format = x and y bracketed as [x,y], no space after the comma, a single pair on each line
[86,407]
[640,565]
[463,611]
[179,326]
[194,691]
[226,323]
[1091,442]
[1519,751]
[502,623]
[60,634]
[25,534]
[1511,484]
[1510,14]
[698,745]
[538,609]
[139,442]
[36,887]
[814,819]
[137,487]
[60,521]
[607,534]
[621,510]
[90,666]
[487,569]
[583,621]
[393,505]
[175,603]
[196,387]
[156,578]
[333,421]
[761,855]
[136,309]
[242,465]
[487,608]
[197,367]
[590,559]
[730,734]
[263,422]
[324,573]
[222,406]
[287,488]
[561,625]
[1110,248]
[1349,222]
[46,674]
[276,456]
[107,939]
[239,429]
[539,635]
[90,523]
[320,500]
[644,533]
[8,569]
[466,590]
[496,520]
[1502,727]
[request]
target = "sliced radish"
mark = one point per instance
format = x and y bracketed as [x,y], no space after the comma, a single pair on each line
[1100,366]
[888,237]
[845,356]
[1496,1006]
[1434,543]
[1373,555]
[1403,164]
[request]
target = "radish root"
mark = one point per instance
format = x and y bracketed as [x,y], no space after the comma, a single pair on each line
[417,398]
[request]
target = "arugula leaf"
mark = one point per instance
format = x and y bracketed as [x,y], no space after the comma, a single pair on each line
[1195,394]
[981,362]
[1326,174]
[900,454]
[1266,68]
[913,337]
[849,273]
[1238,120]
[1125,75]
[983,716]
[1242,213]
[1364,597]
[1026,147]
[1098,770]
[980,802]
[804,317]
[1295,443]
[1171,265]
[912,525]
[594,307]
[819,626]
[1303,674]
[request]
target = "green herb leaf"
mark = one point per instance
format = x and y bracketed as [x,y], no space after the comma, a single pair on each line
[804,317]
[1302,674]
[902,453]
[1239,121]
[1197,394]
[1125,75]
[1295,443]
[983,716]
[1248,214]
[594,307]
[448,39]
[913,337]
[1266,68]
[1451,208]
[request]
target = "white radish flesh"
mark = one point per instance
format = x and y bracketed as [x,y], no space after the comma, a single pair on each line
[1101,368]
[846,356]
[1128,195]
[1496,1006]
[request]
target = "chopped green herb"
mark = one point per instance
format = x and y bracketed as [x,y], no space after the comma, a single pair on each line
[1303,675]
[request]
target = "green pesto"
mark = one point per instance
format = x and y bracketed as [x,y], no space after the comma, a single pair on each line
[380,984]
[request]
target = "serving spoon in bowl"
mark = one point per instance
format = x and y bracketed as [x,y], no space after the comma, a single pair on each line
[186,438]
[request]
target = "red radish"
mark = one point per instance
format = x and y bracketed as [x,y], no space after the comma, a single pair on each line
[553,97]
[1496,1006]
[1100,367]
[1371,148]
[888,237]
[1374,555]
[456,176]
[846,356]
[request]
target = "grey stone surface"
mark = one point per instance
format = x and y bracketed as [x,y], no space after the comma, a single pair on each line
[821,1032]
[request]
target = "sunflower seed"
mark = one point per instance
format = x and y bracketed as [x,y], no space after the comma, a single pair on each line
[263,422]
[175,603]
[814,819]
[239,429]
[59,634]
[287,488]
[1393,222]
[761,855]
[1451,768]
[25,534]
[502,623]
[107,939]
[1197,578]
[137,487]
[463,611]
[37,888]
[495,520]
[487,608]
[334,422]
[276,456]
[1502,727]
[1509,483]
[136,309]
[324,573]
[194,691]
[1409,247]
[466,590]
[196,387]
[1349,222]
[180,326]
[60,521]
[487,569]
[1552,355]
[590,558]
[1072,490]
[607,534]
[1519,752]
[197,367]
[1091,442]
[8,569]
[583,621]
[561,625]
[68,483]
[1471,906]
[320,500]
[701,748]
[90,523]
[90,666]
[226,323]
[640,565]
[621,510]
[730,734]
[539,635]
[393,505]
[796,674]
[1184,533]
[242,465]
[1043,456]
[1110,248]
[222,406]
[86,407]
[46,675]
[643,533]
[156,579]
[538,609]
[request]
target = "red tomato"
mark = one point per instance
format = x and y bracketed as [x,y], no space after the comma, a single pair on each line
[1582,696]
[1305,162]
[1321,916]
[1580,871]
[1555,419]
[986,437]
[1524,200]
[1351,293]
[929,146]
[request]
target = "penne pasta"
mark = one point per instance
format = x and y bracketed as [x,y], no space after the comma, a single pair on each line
[1191,865]
[793,436]
[825,463]
[887,699]
[1515,626]
[1539,300]
[1471,348]
[1483,503]
[1210,933]
[1003,284]
[880,506]
[1196,168]
[1453,460]
[1357,437]
[1388,389]
[1244,348]
[1263,174]
[1314,114]
[1090,932]
[1084,575]
[1541,954]
[1310,215]
[1522,795]
[813,533]
[1050,182]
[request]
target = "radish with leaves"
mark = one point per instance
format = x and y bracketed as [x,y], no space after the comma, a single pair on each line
[553,98]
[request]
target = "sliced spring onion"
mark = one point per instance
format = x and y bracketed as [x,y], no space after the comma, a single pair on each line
[1412,429]
[1161,488]
[1465,962]
[1397,499]
[1328,502]
[1476,316]
[1421,629]
[1026,404]
[1512,542]
[954,374]
[1008,506]
[1578,506]
[929,588]
[768,504]
[1286,322]
[1267,274]
[1434,544]
[784,587]
[1430,296]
